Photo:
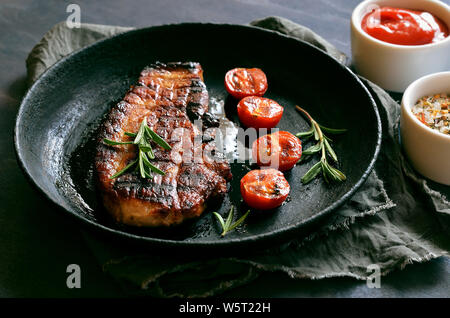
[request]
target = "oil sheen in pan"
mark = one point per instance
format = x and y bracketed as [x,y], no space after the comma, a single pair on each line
[227,140]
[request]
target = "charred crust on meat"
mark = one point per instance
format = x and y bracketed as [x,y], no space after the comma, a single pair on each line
[210,120]
[170,95]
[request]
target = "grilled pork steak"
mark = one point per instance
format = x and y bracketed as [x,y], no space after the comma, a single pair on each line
[169,96]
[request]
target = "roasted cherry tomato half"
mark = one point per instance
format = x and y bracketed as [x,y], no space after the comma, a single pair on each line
[243,82]
[280,150]
[264,189]
[259,112]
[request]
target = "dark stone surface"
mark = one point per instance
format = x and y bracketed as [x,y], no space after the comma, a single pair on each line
[38,244]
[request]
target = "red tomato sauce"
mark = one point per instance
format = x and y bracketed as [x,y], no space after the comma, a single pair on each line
[403,26]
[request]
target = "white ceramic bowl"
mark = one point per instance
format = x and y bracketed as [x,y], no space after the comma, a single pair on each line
[427,149]
[392,66]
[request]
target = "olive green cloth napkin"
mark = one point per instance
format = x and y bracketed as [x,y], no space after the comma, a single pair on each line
[393,220]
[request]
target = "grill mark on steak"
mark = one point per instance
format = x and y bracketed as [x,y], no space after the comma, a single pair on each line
[169,96]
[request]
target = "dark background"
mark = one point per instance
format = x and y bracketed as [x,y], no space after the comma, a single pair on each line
[37,243]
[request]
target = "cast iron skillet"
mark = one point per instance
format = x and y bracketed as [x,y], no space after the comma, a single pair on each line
[60,113]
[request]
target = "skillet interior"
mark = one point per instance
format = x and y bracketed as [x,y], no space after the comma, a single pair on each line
[60,113]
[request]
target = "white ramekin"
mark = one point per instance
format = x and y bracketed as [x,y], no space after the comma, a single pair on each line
[392,66]
[427,149]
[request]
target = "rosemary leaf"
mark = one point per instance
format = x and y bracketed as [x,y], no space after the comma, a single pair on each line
[229,218]
[145,152]
[145,146]
[325,173]
[141,132]
[121,172]
[313,149]
[156,138]
[145,159]
[150,153]
[156,169]
[327,138]
[332,130]
[340,174]
[312,173]
[220,218]
[238,222]
[323,145]
[330,150]
[150,166]
[115,143]
[316,133]
[305,134]
[326,167]
[141,165]
[227,225]
[147,173]
[333,173]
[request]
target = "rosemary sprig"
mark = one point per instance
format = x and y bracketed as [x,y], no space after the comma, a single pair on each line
[330,174]
[142,139]
[227,225]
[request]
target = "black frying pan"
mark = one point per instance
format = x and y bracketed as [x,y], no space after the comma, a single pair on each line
[60,113]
